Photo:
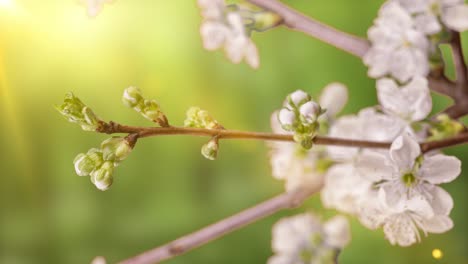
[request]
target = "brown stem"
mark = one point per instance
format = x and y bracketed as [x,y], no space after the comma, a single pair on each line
[222,133]
[186,243]
[297,21]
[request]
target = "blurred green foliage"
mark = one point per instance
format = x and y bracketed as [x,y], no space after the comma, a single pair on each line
[165,188]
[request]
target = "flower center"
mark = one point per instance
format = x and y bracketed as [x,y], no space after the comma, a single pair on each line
[408,179]
[434,8]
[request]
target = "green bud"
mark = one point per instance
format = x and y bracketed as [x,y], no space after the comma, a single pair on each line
[86,163]
[305,139]
[265,20]
[210,149]
[199,118]
[83,165]
[102,177]
[115,149]
[445,127]
[151,110]
[132,97]
[76,112]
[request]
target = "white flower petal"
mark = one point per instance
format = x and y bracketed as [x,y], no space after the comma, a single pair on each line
[404,151]
[437,224]
[400,230]
[456,17]
[441,201]
[333,98]
[440,168]
[374,166]
[337,232]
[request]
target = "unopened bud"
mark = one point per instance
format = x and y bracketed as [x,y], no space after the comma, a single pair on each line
[132,97]
[116,149]
[310,112]
[199,118]
[86,163]
[76,112]
[151,110]
[102,177]
[210,149]
[287,118]
[298,97]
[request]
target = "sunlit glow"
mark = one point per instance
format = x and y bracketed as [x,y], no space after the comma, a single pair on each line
[437,253]
[6,4]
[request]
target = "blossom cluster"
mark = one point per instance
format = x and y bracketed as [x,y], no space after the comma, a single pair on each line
[223,27]
[406,33]
[99,163]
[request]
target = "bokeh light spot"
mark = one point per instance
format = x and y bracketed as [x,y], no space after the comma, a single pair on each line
[437,253]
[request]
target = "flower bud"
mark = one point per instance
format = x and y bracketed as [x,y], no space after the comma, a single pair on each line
[99,260]
[210,149]
[310,112]
[102,177]
[132,97]
[76,112]
[115,149]
[151,110]
[287,119]
[83,165]
[199,118]
[298,97]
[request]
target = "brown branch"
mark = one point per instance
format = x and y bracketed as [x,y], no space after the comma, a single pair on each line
[461,68]
[141,132]
[186,243]
[297,21]
[444,143]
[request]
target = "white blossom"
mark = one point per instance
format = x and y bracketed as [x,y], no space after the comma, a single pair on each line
[94,7]
[337,193]
[409,198]
[398,49]
[403,221]
[430,13]
[333,99]
[411,102]
[225,29]
[302,239]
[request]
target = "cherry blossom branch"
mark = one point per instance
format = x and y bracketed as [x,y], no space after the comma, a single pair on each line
[359,46]
[136,132]
[186,243]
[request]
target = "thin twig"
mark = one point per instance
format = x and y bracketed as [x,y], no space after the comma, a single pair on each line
[297,21]
[461,68]
[141,132]
[219,229]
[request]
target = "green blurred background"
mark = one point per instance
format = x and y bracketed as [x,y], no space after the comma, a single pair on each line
[165,188]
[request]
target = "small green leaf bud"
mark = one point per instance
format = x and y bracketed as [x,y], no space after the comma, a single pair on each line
[76,112]
[102,177]
[115,149]
[210,149]
[132,97]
